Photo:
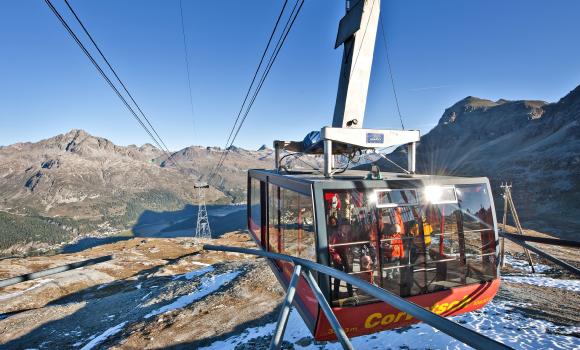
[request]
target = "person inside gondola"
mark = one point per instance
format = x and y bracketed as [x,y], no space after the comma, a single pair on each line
[334,204]
[367,266]
[368,253]
[393,249]
[340,255]
[422,238]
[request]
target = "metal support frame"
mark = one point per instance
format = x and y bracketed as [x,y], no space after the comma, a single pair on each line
[285,311]
[509,205]
[504,224]
[202,228]
[543,240]
[457,331]
[411,157]
[328,160]
[277,158]
[357,33]
[54,270]
[336,327]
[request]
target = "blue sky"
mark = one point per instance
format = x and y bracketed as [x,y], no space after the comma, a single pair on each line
[441,52]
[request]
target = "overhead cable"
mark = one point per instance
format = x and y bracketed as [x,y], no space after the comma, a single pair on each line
[107,79]
[257,71]
[186,51]
[391,74]
[219,164]
[282,38]
[392,162]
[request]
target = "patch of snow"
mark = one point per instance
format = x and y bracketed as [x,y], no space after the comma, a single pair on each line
[537,279]
[139,286]
[543,281]
[523,265]
[104,336]
[196,273]
[146,295]
[497,320]
[19,293]
[208,285]
[199,263]
[295,323]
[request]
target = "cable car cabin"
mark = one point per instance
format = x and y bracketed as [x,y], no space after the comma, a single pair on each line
[430,239]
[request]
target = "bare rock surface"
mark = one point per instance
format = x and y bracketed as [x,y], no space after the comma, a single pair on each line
[169,293]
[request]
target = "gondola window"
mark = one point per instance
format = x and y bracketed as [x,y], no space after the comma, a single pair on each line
[407,242]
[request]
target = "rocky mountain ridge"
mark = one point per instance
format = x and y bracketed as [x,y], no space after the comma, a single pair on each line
[82,183]
[534,145]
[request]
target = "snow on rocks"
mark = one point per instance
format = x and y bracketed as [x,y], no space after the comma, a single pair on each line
[538,279]
[208,285]
[543,281]
[523,265]
[104,336]
[196,273]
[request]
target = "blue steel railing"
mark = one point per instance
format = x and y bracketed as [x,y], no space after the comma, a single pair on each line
[304,268]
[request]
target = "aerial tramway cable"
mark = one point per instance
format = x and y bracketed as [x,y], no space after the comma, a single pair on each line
[222,157]
[257,71]
[270,64]
[186,52]
[159,142]
[202,227]
[113,71]
[288,26]
[391,73]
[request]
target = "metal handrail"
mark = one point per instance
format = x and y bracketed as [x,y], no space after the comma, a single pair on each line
[54,270]
[543,240]
[463,334]
[520,240]
[349,244]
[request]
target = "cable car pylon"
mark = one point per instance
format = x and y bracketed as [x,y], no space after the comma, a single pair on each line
[509,206]
[202,228]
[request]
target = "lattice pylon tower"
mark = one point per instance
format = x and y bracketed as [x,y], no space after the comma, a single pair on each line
[202,228]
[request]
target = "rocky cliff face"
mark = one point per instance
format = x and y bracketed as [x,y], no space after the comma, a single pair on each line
[532,144]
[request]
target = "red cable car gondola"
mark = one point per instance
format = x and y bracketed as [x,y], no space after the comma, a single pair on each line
[433,244]
[430,239]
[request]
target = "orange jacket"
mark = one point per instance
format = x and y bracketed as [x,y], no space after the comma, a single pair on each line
[396,249]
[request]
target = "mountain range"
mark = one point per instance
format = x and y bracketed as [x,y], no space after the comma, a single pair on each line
[77,183]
